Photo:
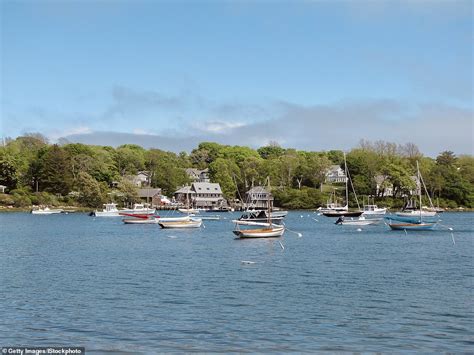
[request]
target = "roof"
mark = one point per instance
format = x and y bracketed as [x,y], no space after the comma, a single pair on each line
[148,192]
[208,187]
[185,190]
[335,168]
[257,190]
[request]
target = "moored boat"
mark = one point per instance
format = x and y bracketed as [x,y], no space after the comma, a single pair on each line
[272,231]
[361,221]
[110,210]
[46,211]
[191,223]
[410,218]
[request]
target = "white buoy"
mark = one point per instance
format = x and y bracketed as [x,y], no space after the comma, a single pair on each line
[450,228]
[300,235]
[301,216]
[359,229]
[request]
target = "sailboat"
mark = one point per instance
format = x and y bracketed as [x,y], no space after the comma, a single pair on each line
[336,211]
[181,222]
[266,230]
[414,219]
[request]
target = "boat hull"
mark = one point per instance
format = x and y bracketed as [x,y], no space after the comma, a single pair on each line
[140,221]
[343,214]
[412,226]
[260,233]
[181,224]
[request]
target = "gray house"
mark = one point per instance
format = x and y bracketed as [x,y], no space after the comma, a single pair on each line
[151,196]
[257,197]
[205,195]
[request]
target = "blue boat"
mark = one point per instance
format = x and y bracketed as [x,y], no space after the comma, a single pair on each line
[413,221]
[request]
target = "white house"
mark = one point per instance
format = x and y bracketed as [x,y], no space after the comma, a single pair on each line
[197,175]
[141,179]
[335,175]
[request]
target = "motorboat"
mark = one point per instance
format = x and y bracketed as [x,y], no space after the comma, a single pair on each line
[370,210]
[109,210]
[361,221]
[139,208]
[46,211]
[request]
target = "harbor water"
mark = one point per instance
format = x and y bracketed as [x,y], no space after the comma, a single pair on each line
[75,280]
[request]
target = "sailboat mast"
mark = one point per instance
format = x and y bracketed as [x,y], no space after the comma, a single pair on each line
[269,206]
[419,186]
[347,178]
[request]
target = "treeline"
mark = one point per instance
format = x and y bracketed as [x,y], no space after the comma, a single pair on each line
[36,172]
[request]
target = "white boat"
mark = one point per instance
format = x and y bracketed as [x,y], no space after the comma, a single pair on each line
[272,231]
[139,208]
[151,220]
[361,221]
[267,230]
[188,210]
[370,210]
[46,211]
[333,209]
[110,210]
[175,219]
[191,223]
[416,213]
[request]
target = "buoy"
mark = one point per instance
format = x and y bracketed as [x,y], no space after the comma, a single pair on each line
[359,229]
[247,262]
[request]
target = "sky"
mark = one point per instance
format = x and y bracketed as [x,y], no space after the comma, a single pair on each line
[313,75]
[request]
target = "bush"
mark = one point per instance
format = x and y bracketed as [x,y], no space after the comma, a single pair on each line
[306,198]
[6,200]
[21,200]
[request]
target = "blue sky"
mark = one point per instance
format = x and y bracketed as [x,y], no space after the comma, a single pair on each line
[310,75]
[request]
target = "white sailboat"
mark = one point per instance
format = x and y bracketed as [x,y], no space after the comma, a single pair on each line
[266,230]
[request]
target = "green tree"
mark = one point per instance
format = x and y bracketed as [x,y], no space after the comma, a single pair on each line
[55,171]
[90,192]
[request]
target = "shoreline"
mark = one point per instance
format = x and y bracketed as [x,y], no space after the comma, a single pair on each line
[70,209]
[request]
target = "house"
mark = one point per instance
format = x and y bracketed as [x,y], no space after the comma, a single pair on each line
[2,189]
[196,175]
[203,195]
[335,175]
[208,195]
[151,196]
[184,195]
[143,178]
[258,197]
[383,186]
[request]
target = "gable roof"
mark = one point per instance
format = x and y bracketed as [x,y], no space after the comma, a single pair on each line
[257,190]
[207,187]
[148,192]
[185,190]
